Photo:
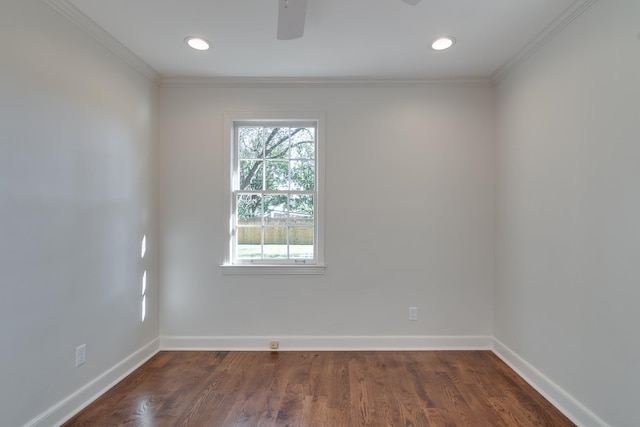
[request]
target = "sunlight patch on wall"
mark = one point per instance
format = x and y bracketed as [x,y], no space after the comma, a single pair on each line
[144,282]
[143,252]
[143,246]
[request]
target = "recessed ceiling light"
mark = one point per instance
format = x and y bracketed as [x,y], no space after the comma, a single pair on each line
[443,43]
[197,43]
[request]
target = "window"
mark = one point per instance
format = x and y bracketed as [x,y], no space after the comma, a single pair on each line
[275,202]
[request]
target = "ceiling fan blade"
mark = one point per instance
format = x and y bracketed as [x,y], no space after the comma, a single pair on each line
[412,2]
[291,17]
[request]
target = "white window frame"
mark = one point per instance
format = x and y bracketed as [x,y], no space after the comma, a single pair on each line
[229,265]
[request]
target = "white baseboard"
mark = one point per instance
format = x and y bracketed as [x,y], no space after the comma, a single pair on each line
[72,404]
[328,343]
[555,394]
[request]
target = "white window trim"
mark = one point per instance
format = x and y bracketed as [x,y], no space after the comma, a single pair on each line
[228,267]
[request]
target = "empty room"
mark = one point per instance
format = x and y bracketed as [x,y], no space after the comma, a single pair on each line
[319,213]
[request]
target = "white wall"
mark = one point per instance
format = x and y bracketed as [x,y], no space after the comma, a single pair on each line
[77,129]
[568,281]
[409,215]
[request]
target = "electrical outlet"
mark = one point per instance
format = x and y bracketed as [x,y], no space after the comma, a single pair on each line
[274,345]
[413,313]
[81,354]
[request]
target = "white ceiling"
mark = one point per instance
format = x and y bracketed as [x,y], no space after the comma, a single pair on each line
[343,38]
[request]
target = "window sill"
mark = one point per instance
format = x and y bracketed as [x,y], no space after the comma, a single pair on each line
[273,269]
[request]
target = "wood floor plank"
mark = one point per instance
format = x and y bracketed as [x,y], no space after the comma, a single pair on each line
[322,389]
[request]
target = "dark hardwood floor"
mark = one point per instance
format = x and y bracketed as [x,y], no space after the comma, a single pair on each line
[324,389]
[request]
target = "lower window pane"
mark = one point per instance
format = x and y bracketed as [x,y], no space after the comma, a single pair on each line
[249,209]
[275,208]
[275,242]
[249,239]
[301,209]
[301,242]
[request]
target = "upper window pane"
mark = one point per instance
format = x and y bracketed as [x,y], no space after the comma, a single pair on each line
[303,176]
[277,143]
[251,175]
[277,175]
[303,143]
[251,142]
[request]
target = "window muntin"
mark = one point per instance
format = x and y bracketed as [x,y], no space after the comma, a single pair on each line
[274,193]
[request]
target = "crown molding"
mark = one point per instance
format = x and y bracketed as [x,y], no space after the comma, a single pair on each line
[82,21]
[318,82]
[577,8]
